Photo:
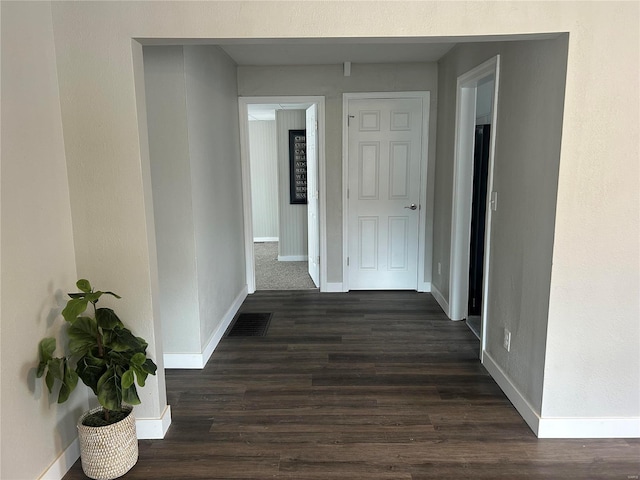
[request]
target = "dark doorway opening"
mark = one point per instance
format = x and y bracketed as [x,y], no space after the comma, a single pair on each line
[478,214]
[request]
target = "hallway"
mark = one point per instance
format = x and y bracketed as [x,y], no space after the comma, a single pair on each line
[363,385]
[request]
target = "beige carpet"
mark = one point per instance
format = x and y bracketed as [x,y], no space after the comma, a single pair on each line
[274,275]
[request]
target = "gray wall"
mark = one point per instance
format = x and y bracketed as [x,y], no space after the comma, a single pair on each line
[264,178]
[214,145]
[328,80]
[529,127]
[194,144]
[293,218]
[171,184]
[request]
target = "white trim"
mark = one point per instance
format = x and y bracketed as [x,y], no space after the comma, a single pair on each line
[217,335]
[424,287]
[486,269]
[243,103]
[265,239]
[525,409]
[250,272]
[182,360]
[292,258]
[549,427]
[463,187]
[154,428]
[589,428]
[439,297]
[63,463]
[333,287]
[199,360]
[425,96]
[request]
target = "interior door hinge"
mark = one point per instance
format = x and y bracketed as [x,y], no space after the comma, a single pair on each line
[347,193]
[347,261]
[318,263]
[349,117]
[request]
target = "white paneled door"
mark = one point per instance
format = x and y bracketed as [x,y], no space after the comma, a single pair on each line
[313,236]
[384,161]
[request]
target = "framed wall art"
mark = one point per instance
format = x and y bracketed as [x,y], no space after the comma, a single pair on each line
[297,167]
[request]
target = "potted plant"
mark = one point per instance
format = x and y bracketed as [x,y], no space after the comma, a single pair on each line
[109,359]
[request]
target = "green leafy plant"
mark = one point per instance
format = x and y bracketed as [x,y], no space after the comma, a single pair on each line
[104,354]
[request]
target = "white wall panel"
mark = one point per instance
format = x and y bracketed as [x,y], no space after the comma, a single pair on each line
[293,218]
[263,154]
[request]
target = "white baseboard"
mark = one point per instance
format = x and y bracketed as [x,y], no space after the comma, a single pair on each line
[333,287]
[440,299]
[525,409]
[182,360]
[216,336]
[425,287]
[265,239]
[63,463]
[293,258]
[549,427]
[589,428]
[199,360]
[154,428]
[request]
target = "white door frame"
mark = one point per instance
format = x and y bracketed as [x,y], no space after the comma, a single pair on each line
[425,96]
[463,189]
[243,103]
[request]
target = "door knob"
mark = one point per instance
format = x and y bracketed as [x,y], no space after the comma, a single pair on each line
[413,206]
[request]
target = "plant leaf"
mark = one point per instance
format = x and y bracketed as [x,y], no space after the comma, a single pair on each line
[56,367]
[90,368]
[110,390]
[130,395]
[107,319]
[112,294]
[46,347]
[143,370]
[48,380]
[83,335]
[141,375]
[74,307]
[83,285]
[138,359]
[54,370]
[127,379]
[122,340]
[149,366]
[69,382]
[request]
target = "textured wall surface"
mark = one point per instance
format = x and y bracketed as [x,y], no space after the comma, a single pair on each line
[264,178]
[38,261]
[214,148]
[173,207]
[293,217]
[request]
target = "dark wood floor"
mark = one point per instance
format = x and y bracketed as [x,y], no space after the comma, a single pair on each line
[369,385]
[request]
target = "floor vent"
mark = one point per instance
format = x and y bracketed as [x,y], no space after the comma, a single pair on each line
[250,325]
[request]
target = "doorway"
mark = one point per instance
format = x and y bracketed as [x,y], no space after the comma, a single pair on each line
[385,142]
[302,241]
[473,166]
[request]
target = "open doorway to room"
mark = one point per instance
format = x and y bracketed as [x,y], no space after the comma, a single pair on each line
[472,201]
[281,173]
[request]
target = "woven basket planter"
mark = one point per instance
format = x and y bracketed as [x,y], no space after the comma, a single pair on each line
[108,452]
